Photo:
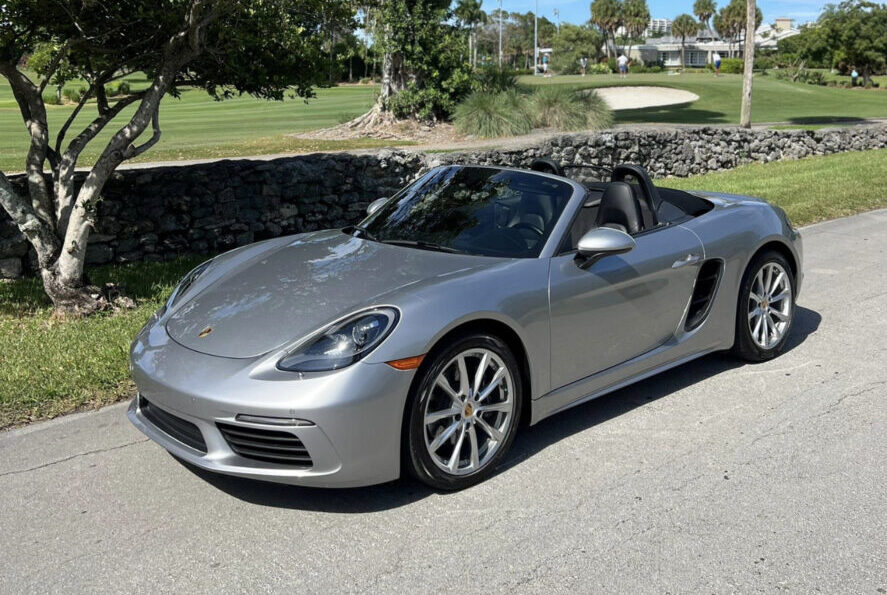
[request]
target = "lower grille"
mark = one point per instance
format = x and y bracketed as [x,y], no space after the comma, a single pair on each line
[176,427]
[271,446]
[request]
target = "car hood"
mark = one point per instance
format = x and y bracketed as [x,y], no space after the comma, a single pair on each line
[271,295]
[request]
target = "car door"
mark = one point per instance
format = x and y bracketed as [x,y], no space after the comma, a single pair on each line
[622,306]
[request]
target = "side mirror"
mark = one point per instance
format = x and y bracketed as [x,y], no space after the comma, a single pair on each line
[374,206]
[600,242]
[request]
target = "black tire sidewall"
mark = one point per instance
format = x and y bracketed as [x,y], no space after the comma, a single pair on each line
[745,345]
[417,459]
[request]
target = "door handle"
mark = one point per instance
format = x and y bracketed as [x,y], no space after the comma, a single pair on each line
[689,259]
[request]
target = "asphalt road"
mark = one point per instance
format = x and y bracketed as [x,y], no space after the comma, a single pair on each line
[716,477]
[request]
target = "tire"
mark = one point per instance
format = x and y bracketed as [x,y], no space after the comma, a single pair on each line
[482,427]
[763,324]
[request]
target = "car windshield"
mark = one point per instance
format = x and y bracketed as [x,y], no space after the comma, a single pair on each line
[473,210]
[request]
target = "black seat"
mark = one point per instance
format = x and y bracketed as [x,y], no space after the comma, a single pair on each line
[620,209]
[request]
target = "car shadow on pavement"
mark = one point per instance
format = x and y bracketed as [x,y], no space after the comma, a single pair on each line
[529,442]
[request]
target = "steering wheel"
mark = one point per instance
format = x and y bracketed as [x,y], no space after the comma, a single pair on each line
[530,227]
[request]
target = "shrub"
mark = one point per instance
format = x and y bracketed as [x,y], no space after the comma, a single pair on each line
[72,95]
[123,88]
[366,80]
[732,65]
[51,99]
[600,68]
[643,68]
[492,79]
[555,106]
[489,115]
[765,63]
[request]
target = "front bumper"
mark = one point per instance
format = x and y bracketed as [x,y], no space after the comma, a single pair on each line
[356,412]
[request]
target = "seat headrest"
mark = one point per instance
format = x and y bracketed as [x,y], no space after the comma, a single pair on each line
[619,208]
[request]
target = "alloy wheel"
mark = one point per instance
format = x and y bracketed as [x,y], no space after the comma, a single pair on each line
[769,305]
[469,412]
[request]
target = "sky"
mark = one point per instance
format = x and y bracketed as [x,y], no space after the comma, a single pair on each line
[577,11]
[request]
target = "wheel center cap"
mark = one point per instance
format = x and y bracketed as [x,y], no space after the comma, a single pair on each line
[468,411]
[765,304]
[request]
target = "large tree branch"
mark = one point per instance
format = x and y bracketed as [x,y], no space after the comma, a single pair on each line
[133,151]
[60,137]
[33,110]
[64,183]
[22,213]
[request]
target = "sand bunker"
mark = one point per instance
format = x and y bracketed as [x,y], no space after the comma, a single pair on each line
[619,98]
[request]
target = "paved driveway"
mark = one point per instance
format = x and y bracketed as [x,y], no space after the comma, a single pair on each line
[715,477]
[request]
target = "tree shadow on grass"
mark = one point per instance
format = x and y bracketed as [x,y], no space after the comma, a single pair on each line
[813,120]
[529,442]
[680,113]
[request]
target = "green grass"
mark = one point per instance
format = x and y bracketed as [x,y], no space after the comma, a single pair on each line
[773,100]
[195,126]
[49,367]
[810,190]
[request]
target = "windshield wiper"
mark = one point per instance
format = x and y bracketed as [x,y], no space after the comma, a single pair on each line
[363,231]
[422,245]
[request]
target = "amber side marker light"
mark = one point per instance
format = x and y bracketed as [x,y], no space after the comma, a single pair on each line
[407,363]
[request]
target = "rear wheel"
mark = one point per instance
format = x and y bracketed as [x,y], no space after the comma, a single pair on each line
[766,308]
[464,413]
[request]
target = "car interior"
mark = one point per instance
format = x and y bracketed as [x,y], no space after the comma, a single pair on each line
[629,202]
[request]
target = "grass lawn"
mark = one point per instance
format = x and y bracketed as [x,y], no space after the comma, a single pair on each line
[49,367]
[194,126]
[810,190]
[773,100]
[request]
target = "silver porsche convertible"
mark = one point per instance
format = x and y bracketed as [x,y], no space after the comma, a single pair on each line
[474,302]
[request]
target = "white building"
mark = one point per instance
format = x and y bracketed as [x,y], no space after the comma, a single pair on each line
[698,50]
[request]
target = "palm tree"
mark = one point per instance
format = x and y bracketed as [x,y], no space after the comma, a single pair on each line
[607,14]
[748,68]
[704,10]
[684,26]
[470,15]
[635,18]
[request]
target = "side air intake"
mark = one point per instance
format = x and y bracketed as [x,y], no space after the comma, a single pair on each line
[703,293]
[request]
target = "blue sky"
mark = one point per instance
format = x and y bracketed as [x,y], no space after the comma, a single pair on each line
[577,11]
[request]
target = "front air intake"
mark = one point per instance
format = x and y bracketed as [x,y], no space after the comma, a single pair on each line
[703,293]
[271,446]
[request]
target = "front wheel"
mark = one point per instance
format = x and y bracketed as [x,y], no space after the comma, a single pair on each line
[766,308]
[464,414]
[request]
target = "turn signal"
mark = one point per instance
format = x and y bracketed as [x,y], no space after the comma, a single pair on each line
[407,363]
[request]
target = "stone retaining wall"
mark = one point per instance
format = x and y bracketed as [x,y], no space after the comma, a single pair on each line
[160,213]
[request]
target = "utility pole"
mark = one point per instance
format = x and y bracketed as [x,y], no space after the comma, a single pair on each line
[536,39]
[500,34]
[557,17]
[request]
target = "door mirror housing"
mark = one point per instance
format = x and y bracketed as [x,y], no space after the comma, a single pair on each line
[601,242]
[376,204]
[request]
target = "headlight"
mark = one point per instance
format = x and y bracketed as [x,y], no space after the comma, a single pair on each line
[342,343]
[185,284]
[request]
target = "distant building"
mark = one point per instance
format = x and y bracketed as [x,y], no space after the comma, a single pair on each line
[699,49]
[783,24]
[658,27]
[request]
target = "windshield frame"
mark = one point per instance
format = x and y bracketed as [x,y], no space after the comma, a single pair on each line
[552,242]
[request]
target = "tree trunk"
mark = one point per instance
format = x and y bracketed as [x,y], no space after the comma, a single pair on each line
[748,70]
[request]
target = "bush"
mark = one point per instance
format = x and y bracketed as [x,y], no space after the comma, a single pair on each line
[123,88]
[51,99]
[489,115]
[732,65]
[72,95]
[492,79]
[643,68]
[600,68]
[365,80]
[765,63]
[555,106]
